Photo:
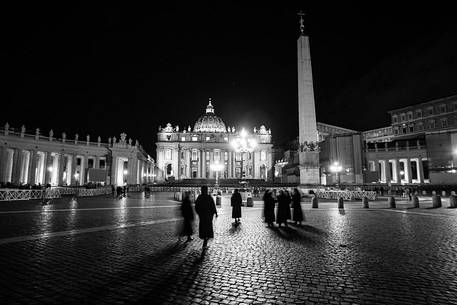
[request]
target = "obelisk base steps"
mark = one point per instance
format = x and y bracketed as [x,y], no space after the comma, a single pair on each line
[309,167]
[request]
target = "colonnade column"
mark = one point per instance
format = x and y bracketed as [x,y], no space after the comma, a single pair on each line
[387,171]
[60,167]
[2,162]
[408,170]
[17,165]
[420,170]
[32,167]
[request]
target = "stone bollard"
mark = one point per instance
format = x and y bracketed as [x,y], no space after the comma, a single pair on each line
[436,201]
[453,201]
[340,203]
[391,201]
[249,202]
[315,202]
[365,202]
[415,201]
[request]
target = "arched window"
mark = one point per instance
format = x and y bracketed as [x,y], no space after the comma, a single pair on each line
[169,170]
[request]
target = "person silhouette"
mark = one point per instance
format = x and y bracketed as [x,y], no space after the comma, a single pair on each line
[236,202]
[206,209]
[187,213]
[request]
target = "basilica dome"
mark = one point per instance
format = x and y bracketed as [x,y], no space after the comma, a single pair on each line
[209,122]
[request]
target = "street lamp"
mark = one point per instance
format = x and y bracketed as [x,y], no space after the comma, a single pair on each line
[243,144]
[336,168]
[216,167]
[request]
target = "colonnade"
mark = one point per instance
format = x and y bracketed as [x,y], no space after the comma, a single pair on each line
[402,170]
[19,166]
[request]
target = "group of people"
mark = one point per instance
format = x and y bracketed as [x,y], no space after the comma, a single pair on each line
[206,210]
[285,202]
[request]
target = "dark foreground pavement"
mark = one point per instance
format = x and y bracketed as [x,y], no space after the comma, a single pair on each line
[109,251]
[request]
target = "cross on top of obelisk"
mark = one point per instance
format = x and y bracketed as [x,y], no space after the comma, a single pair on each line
[302,25]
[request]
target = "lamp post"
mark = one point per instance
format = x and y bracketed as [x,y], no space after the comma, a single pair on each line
[336,168]
[243,144]
[216,167]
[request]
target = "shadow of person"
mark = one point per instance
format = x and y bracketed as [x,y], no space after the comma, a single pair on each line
[235,228]
[310,229]
[293,235]
[342,211]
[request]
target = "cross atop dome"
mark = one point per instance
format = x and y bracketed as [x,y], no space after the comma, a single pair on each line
[209,108]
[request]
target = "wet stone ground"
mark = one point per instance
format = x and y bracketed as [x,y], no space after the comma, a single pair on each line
[109,251]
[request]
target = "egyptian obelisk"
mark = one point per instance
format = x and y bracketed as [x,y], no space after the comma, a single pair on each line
[308,137]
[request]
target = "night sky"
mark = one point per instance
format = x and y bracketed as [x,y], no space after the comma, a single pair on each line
[98,70]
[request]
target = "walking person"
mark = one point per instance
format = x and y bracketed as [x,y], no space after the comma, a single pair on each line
[236,202]
[269,208]
[283,208]
[206,209]
[187,213]
[297,215]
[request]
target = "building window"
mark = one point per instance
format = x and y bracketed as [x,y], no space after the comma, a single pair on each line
[420,126]
[430,111]
[90,163]
[410,116]
[371,166]
[411,128]
[225,139]
[403,117]
[182,154]
[78,161]
[442,108]
[207,155]
[207,138]
[217,155]
[418,113]
[194,155]
[431,124]
[238,156]
[225,155]
[102,163]
[263,155]
[168,154]
[444,123]
[396,131]
[183,139]
[394,119]
[195,138]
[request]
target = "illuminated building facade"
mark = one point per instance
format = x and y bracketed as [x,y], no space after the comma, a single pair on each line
[189,153]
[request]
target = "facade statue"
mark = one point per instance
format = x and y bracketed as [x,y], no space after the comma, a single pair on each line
[123,137]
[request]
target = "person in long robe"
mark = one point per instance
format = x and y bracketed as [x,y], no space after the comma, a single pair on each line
[236,202]
[269,208]
[187,213]
[206,209]
[297,215]
[283,208]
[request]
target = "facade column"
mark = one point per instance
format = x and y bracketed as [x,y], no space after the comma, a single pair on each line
[72,171]
[188,157]
[199,163]
[204,164]
[229,164]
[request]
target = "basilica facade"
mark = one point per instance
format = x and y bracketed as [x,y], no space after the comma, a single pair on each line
[211,148]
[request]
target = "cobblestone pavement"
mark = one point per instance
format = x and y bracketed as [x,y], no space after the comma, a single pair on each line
[110,251]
